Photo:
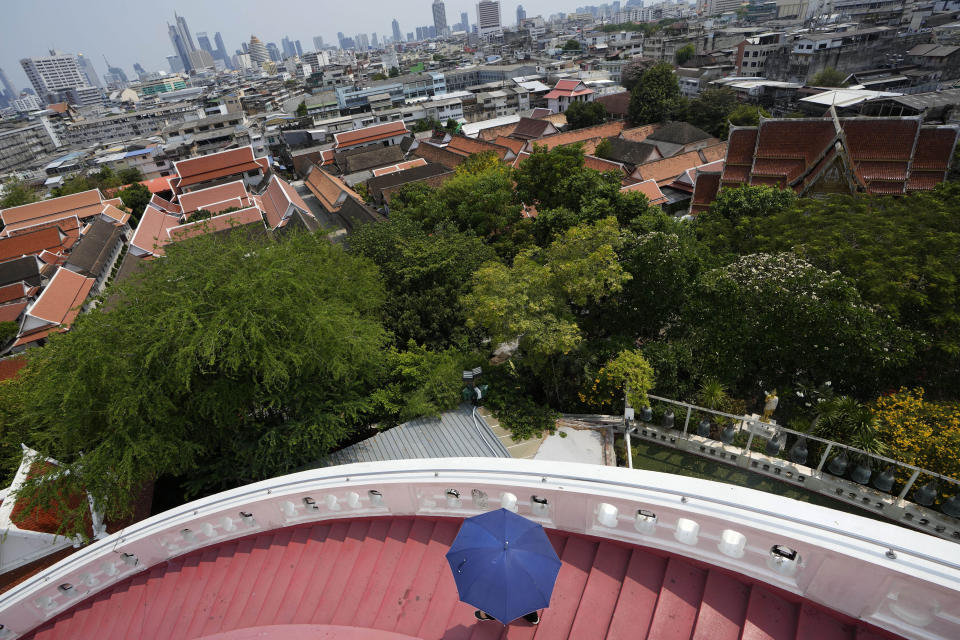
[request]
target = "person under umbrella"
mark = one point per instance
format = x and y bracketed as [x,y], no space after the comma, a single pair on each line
[504,565]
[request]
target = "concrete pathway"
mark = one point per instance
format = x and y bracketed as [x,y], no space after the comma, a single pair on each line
[526,449]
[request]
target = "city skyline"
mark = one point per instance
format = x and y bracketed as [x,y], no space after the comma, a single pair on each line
[139,34]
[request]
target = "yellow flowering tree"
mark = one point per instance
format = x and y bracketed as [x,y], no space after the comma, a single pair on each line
[920,432]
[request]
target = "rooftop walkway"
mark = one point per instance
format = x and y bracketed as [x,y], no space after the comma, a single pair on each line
[375,578]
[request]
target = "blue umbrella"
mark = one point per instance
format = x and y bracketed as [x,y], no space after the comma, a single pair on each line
[503,564]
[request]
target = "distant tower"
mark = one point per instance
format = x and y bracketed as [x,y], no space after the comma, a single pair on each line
[298,47]
[488,17]
[521,14]
[86,68]
[222,50]
[317,43]
[258,52]
[396,31]
[8,89]
[440,17]
[204,43]
[465,21]
[139,68]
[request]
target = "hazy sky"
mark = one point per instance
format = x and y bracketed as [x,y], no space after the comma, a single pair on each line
[129,31]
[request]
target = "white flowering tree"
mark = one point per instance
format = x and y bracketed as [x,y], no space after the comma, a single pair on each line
[777,318]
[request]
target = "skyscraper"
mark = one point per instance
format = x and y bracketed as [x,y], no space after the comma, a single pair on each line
[340,39]
[298,47]
[179,45]
[138,68]
[9,90]
[222,50]
[465,21]
[118,76]
[374,41]
[488,17]
[288,49]
[521,14]
[185,31]
[86,68]
[258,52]
[317,43]
[176,64]
[396,31]
[274,52]
[440,17]
[53,74]
[204,43]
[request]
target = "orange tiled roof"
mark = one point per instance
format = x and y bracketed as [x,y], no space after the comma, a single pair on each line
[11,312]
[204,198]
[60,301]
[639,134]
[10,366]
[216,165]
[32,243]
[648,188]
[510,143]
[704,191]
[403,166]
[370,134]
[82,205]
[461,145]
[11,292]
[329,190]
[666,170]
[151,234]
[600,164]
[589,136]
[277,198]
[250,215]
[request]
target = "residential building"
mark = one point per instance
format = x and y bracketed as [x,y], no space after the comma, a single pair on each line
[567,92]
[258,52]
[488,18]
[521,14]
[20,146]
[124,126]
[27,103]
[57,78]
[161,85]
[752,53]
[219,168]
[943,58]
[440,18]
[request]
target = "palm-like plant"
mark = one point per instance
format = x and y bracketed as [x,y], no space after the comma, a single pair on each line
[848,422]
[712,395]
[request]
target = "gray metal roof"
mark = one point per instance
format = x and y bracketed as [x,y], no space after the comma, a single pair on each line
[453,434]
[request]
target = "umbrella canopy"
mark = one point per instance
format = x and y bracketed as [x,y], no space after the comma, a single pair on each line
[503,564]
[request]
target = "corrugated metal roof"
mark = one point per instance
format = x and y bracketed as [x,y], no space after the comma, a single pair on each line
[453,434]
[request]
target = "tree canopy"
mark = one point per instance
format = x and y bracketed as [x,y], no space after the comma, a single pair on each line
[230,360]
[16,193]
[585,114]
[656,97]
[685,53]
[829,77]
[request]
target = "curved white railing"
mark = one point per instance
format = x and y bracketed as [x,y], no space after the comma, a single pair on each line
[900,580]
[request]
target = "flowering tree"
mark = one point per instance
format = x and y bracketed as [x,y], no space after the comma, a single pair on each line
[777,318]
[920,432]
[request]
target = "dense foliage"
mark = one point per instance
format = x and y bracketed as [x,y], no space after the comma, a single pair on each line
[229,361]
[585,114]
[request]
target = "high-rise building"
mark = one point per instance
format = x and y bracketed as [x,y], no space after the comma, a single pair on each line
[258,52]
[115,76]
[86,68]
[374,40]
[340,39]
[8,92]
[274,52]
[396,31]
[204,43]
[521,14]
[298,47]
[287,46]
[51,75]
[138,68]
[176,64]
[410,36]
[440,17]
[488,17]
[465,21]
[185,31]
[182,41]
[317,43]
[222,50]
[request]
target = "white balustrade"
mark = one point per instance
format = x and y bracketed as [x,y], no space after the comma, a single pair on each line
[898,579]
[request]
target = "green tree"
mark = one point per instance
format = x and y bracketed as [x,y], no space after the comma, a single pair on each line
[585,114]
[775,319]
[711,110]
[829,77]
[17,193]
[130,175]
[394,72]
[533,300]
[135,198]
[746,115]
[75,184]
[377,77]
[8,331]
[685,53]
[302,109]
[232,359]
[604,148]
[425,273]
[571,45]
[633,71]
[657,96]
